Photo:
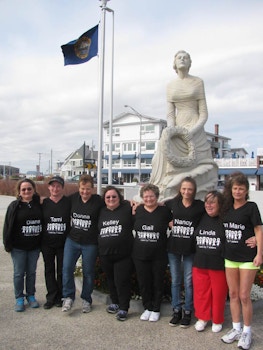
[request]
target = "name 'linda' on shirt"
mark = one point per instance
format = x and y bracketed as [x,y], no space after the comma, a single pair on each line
[205,239]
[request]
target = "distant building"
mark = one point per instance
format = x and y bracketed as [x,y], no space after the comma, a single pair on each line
[83,160]
[134,142]
[8,170]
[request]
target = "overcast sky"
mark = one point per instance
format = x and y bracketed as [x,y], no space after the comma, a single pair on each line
[45,105]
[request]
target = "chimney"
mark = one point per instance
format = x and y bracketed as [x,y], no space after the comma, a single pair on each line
[216,129]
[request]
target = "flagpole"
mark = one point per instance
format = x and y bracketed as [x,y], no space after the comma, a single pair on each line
[101,103]
[111,102]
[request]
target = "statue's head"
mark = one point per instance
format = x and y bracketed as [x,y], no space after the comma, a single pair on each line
[182,52]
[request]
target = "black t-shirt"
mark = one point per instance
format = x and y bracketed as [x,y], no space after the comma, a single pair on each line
[115,230]
[27,229]
[151,233]
[56,218]
[210,237]
[185,220]
[84,219]
[239,226]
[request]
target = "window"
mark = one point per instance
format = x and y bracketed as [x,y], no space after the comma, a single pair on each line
[148,146]
[147,129]
[129,163]
[129,147]
[115,131]
[146,162]
[116,147]
[116,163]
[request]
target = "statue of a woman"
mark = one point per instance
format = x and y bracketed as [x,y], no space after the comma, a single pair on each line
[183,149]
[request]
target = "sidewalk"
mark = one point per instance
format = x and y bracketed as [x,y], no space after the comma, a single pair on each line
[53,330]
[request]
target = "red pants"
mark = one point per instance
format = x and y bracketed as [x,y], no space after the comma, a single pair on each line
[210,292]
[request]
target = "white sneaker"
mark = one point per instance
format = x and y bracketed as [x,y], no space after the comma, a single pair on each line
[217,327]
[244,341]
[200,325]
[67,304]
[145,315]
[154,317]
[86,306]
[231,336]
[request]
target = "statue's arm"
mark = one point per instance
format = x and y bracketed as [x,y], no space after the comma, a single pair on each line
[171,114]
[202,111]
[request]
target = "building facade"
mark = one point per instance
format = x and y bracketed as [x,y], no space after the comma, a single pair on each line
[134,141]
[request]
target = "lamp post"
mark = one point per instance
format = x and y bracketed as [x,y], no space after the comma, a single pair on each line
[140,138]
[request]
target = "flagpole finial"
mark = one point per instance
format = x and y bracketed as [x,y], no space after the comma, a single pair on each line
[104,3]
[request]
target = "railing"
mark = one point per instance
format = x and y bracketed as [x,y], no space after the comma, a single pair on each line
[236,162]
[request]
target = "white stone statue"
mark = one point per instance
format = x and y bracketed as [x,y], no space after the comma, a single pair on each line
[183,149]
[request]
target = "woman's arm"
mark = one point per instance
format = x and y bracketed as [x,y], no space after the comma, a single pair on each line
[259,237]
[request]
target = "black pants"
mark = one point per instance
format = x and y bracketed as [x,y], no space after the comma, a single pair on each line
[118,270]
[150,275]
[53,261]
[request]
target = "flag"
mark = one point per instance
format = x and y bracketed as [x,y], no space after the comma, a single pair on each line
[82,49]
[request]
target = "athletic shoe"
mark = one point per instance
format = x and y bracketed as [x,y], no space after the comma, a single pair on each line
[86,306]
[200,325]
[177,316]
[244,341]
[186,320]
[145,315]
[113,308]
[67,304]
[217,327]
[154,317]
[32,301]
[48,305]
[19,306]
[231,336]
[122,315]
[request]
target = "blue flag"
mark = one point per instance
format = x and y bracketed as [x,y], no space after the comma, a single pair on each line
[82,49]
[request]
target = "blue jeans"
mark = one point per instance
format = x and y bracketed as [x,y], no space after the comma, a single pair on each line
[25,265]
[181,265]
[72,251]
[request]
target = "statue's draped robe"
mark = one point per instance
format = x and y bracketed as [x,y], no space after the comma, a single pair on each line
[183,149]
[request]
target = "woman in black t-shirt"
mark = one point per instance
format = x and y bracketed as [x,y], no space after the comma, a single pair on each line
[209,279]
[241,221]
[187,211]
[22,236]
[115,247]
[149,250]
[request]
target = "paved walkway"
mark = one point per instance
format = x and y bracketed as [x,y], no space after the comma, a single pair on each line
[53,330]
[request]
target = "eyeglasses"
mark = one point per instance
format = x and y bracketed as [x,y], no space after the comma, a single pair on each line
[26,189]
[108,197]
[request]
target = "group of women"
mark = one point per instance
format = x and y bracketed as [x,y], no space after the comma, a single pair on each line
[215,245]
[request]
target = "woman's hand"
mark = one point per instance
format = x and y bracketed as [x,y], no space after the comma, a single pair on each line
[251,242]
[258,260]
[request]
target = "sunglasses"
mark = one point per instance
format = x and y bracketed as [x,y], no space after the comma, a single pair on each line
[108,197]
[26,189]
